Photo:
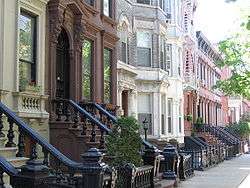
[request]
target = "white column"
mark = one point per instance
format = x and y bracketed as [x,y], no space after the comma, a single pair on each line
[119,101]
[132,103]
[175,117]
[156,105]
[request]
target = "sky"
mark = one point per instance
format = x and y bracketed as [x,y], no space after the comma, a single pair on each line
[218,20]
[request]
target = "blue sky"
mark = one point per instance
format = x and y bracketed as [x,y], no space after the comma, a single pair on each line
[218,19]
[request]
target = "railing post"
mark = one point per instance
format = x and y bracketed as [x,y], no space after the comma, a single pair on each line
[1,125]
[93,169]
[171,156]
[149,158]
[32,175]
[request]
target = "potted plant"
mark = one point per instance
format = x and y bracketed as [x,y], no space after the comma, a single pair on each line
[198,124]
[188,117]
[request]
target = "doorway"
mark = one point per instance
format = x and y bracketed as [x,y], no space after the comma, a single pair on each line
[125,102]
[62,66]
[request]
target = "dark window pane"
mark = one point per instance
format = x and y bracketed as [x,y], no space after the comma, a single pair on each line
[86,68]
[169,124]
[90,2]
[180,124]
[163,124]
[107,75]
[124,52]
[143,57]
[144,2]
[107,8]
[148,117]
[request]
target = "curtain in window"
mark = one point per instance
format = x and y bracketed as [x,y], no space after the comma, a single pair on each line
[144,46]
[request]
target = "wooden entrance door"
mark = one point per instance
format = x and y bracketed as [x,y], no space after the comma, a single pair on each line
[125,102]
[62,66]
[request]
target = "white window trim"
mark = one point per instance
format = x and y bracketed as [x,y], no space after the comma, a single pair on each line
[40,13]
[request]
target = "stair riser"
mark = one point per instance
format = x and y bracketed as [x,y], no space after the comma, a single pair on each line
[8,152]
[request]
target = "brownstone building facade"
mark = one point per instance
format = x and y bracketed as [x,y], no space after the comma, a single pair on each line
[81,61]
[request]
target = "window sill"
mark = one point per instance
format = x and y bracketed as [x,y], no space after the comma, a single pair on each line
[108,20]
[90,8]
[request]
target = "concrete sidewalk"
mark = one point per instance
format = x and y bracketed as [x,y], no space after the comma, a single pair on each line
[234,173]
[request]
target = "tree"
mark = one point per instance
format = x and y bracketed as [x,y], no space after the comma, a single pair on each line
[236,55]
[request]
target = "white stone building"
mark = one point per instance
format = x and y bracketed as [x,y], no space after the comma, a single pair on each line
[150,63]
[22,60]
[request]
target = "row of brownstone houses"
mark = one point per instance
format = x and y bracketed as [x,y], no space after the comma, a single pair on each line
[143,56]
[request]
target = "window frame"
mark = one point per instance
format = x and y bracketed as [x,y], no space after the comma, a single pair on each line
[163,114]
[170,115]
[34,18]
[143,47]
[110,8]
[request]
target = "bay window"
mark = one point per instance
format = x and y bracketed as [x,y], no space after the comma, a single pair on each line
[144,49]
[169,59]
[165,56]
[107,74]
[27,49]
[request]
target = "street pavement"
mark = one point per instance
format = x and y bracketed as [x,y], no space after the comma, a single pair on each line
[233,173]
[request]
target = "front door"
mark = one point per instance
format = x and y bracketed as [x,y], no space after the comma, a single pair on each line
[62,66]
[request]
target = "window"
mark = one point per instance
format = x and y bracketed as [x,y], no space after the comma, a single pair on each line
[163,54]
[90,2]
[170,121]
[179,62]
[147,2]
[180,116]
[107,75]
[163,114]
[124,47]
[144,111]
[169,58]
[27,49]
[87,58]
[107,8]
[144,48]
[165,5]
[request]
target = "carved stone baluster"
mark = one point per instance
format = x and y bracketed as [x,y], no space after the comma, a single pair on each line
[1,125]
[33,154]
[59,111]
[46,157]
[102,140]
[10,135]
[21,146]
[93,133]
[1,180]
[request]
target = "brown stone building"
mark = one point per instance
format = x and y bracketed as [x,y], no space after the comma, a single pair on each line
[81,65]
[81,62]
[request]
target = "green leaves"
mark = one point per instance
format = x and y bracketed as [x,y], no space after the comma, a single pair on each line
[124,143]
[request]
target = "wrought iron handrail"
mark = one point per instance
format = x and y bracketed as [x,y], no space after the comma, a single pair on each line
[38,138]
[7,167]
[89,116]
[105,112]
[114,120]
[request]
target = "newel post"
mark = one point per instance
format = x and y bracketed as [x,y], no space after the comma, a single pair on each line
[171,156]
[93,169]
[32,175]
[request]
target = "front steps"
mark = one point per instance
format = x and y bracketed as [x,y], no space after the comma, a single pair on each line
[10,154]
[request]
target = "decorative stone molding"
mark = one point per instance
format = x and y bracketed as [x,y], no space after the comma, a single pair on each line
[30,105]
[2,94]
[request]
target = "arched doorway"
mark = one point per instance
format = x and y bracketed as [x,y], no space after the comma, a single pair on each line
[62,66]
